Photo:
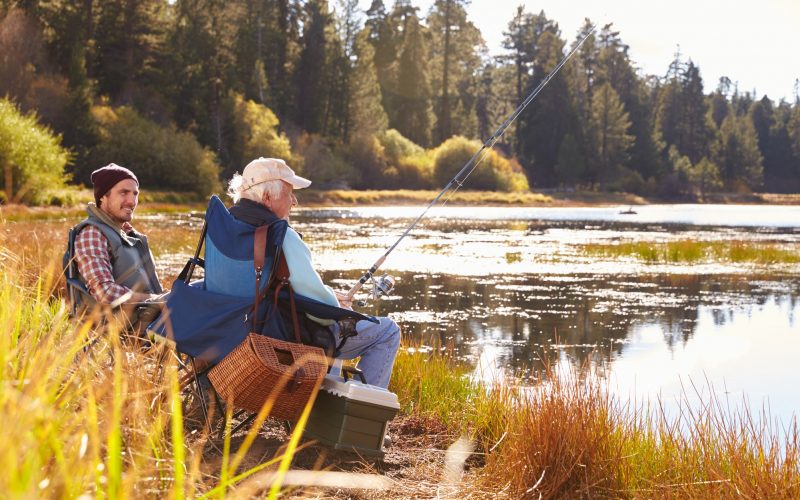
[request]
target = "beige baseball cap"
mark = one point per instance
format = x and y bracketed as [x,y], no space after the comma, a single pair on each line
[271,169]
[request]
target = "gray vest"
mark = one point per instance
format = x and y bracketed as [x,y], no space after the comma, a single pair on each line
[131,261]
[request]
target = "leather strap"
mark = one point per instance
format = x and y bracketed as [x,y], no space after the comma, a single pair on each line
[295,321]
[282,271]
[259,249]
[282,277]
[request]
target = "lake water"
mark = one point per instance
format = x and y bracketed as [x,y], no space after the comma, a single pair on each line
[506,287]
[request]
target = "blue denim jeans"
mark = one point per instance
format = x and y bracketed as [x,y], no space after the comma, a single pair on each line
[377,345]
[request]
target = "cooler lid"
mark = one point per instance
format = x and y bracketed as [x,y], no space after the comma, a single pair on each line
[359,391]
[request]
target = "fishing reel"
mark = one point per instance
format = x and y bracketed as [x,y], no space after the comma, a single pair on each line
[383,286]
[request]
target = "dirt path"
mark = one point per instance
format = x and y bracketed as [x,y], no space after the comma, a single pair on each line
[414,466]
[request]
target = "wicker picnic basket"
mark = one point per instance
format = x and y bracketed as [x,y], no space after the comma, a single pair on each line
[262,369]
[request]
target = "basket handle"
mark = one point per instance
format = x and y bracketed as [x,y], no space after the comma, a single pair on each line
[296,379]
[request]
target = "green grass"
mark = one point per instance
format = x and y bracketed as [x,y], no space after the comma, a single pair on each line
[689,251]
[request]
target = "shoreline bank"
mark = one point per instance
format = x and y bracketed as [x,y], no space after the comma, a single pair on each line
[165,202]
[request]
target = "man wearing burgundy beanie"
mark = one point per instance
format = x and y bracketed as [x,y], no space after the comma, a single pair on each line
[114,260]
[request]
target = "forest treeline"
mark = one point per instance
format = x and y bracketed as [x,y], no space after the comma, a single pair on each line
[186,92]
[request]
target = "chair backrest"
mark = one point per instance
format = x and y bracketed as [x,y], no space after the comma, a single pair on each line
[208,318]
[77,293]
[229,252]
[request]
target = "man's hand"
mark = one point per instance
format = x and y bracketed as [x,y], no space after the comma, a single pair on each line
[344,301]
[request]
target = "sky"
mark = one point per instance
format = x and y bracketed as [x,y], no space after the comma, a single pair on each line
[752,43]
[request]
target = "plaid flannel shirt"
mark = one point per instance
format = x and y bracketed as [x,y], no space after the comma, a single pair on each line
[93,256]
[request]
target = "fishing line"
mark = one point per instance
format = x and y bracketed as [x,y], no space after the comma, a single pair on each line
[384,285]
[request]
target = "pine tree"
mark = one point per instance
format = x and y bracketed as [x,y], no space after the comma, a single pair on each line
[615,67]
[718,104]
[520,40]
[128,37]
[609,138]
[389,42]
[781,160]
[249,52]
[282,46]
[455,64]
[342,57]
[201,61]
[544,124]
[761,114]
[413,98]
[704,176]
[584,70]
[681,115]
[312,68]
[698,133]
[737,154]
[366,112]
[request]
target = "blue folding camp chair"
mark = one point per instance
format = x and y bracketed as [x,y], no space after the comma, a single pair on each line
[207,318]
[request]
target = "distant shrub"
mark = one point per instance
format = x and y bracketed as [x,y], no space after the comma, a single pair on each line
[628,181]
[256,134]
[397,147]
[322,164]
[367,156]
[32,160]
[493,173]
[510,178]
[416,172]
[162,157]
[407,164]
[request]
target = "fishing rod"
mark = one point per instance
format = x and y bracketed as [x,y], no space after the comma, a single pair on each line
[385,283]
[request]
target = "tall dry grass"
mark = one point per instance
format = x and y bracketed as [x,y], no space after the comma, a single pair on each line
[569,438]
[89,414]
[85,415]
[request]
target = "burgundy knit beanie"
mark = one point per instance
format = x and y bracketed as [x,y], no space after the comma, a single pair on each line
[103,179]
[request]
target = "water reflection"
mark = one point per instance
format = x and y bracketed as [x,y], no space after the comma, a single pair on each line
[589,318]
[745,353]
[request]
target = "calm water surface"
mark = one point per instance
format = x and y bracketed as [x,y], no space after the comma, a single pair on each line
[505,286]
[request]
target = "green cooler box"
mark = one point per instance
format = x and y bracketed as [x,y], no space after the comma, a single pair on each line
[351,415]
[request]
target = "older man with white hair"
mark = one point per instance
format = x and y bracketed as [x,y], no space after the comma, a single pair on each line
[263,194]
